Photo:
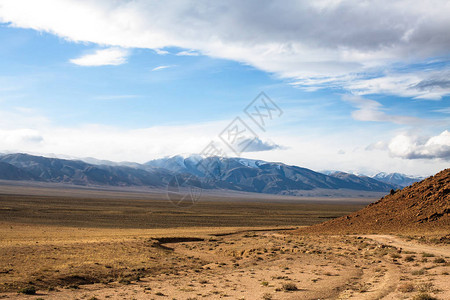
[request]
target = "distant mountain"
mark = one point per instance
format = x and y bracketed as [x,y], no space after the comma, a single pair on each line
[10,172]
[358,180]
[401,180]
[264,177]
[236,174]
[78,172]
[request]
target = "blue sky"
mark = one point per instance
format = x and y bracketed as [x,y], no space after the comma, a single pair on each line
[134,81]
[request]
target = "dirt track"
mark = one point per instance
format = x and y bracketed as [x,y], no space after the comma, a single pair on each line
[438,250]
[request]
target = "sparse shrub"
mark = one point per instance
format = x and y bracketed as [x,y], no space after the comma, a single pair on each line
[424,296]
[267,296]
[409,258]
[363,288]
[159,294]
[264,283]
[425,287]
[73,286]
[125,281]
[427,254]
[439,261]
[395,255]
[289,286]
[419,272]
[29,290]
[406,288]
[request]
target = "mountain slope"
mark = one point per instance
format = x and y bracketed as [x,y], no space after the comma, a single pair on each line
[422,206]
[401,180]
[370,184]
[10,172]
[78,172]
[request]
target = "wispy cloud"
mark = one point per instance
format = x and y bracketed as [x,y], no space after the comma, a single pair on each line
[370,110]
[110,56]
[159,68]
[445,110]
[188,53]
[431,85]
[161,52]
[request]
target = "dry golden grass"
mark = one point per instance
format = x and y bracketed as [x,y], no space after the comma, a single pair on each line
[131,263]
[50,256]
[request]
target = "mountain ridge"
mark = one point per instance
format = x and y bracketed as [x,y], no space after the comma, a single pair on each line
[238,174]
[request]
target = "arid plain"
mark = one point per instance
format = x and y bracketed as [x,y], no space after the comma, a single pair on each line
[81,244]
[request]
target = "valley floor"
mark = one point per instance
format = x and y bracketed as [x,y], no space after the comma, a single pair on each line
[214,263]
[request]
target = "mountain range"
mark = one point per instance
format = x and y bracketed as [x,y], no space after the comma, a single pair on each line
[397,178]
[237,174]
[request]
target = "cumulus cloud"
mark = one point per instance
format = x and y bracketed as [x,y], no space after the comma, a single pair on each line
[370,110]
[315,42]
[103,57]
[409,146]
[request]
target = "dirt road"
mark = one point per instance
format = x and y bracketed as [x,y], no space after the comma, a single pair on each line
[411,245]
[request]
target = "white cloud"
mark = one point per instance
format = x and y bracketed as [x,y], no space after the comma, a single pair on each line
[432,85]
[161,52]
[25,137]
[31,133]
[370,110]
[345,152]
[327,41]
[187,53]
[443,110]
[103,57]
[257,145]
[160,68]
[415,147]
[20,118]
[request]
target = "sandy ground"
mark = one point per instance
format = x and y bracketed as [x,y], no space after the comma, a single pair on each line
[439,250]
[279,265]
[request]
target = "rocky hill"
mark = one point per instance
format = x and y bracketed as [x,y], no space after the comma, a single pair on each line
[424,205]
